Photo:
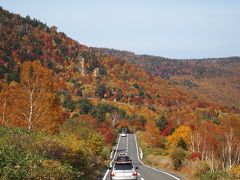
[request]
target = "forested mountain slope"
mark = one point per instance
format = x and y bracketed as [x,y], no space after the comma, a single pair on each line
[62,104]
[215,79]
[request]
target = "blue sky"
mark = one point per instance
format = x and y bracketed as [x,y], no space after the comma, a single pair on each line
[169,28]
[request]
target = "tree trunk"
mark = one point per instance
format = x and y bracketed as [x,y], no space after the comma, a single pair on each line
[30,110]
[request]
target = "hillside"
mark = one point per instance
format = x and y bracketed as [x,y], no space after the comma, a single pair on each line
[79,69]
[215,79]
[63,103]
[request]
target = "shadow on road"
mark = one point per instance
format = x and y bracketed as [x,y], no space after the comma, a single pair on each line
[121,150]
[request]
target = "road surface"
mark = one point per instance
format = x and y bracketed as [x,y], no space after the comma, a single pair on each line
[128,144]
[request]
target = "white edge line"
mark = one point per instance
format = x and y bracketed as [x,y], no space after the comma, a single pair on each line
[112,159]
[151,167]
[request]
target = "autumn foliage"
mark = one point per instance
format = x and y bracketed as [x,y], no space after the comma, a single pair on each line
[51,83]
[32,102]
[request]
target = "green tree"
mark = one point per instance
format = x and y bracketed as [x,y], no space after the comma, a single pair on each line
[182,144]
[11,65]
[102,70]
[2,71]
[122,113]
[119,94]
[101,90]
[102,109]
[101,113]
[14,76]
[141,92]
[162,123]
[68,103]
[85,106]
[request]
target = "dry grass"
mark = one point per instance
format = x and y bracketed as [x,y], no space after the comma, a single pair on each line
[164,163]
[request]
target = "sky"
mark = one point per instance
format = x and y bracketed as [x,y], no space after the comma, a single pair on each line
[168,28]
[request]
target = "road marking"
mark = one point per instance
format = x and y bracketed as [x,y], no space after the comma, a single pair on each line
[139,174]
[142,179]
[105,176]
[151,167]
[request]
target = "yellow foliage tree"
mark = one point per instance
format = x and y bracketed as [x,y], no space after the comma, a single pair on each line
[95,143]
[182,132]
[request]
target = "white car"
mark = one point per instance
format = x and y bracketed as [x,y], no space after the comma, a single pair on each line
[124,171]
[123,134]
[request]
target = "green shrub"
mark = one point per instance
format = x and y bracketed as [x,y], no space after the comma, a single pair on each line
[101,90]
[161,123]
[178,157]
[50,169]
[85,106]
[218,175]
[76,149]
[155,151]
[182,144]
[106,152]
[51,148]
[16,164]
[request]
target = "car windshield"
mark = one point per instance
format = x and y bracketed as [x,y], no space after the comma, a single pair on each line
[124,166]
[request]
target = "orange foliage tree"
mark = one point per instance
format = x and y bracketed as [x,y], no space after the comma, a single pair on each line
[5,101]
[33,101]
[152,134]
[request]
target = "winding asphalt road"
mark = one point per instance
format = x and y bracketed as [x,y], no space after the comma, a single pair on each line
[129,145]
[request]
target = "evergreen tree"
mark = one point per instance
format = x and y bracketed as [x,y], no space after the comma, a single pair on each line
[68,104]
[2,71]
[101,90]
[85,106]
[14,76]
[122,113]
[182,144]
[101,113]
[162,123]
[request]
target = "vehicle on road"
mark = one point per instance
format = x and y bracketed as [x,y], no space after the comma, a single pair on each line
[123,134]
[122,157]
[123,170]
